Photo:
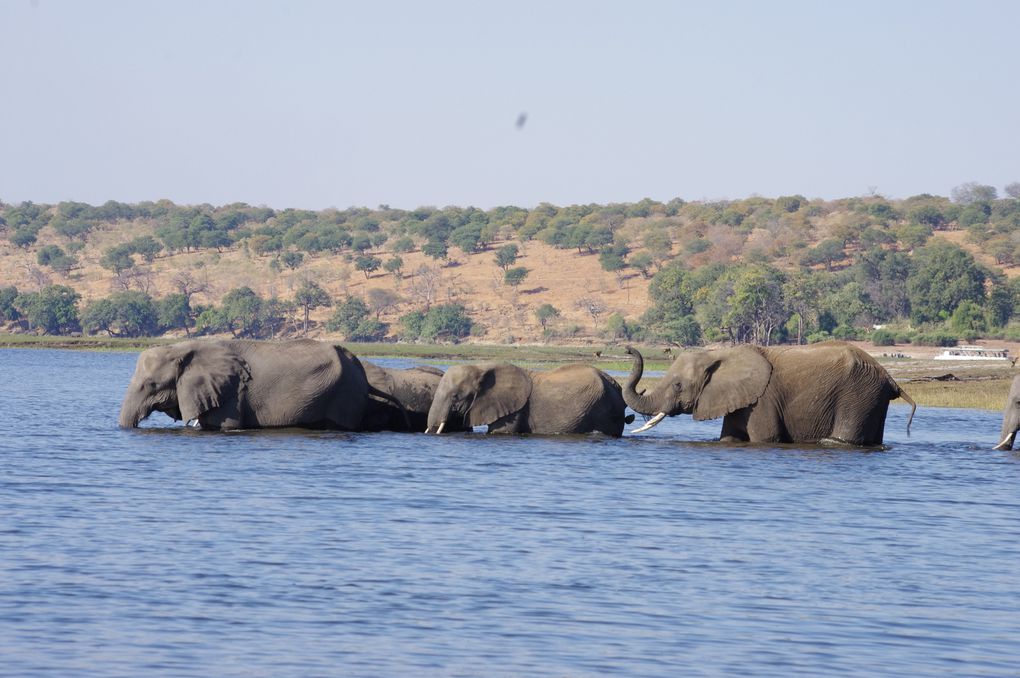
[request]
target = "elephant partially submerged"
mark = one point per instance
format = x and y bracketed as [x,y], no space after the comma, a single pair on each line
[803,394]
[508,399]
[249,384]
[1010,416]
[413,388]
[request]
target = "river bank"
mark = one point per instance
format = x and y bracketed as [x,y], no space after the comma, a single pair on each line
[930,382]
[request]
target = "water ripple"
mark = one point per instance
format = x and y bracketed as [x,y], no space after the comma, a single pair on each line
[168,551]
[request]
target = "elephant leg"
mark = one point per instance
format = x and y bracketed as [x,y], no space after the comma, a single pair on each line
[224,418]
[734,427]
[858,427]
[759,423]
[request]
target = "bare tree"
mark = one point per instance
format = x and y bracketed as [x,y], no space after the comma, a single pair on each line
[381,300]
[424,285]
[188,285]
[592,306]
[38,276]
[144,279]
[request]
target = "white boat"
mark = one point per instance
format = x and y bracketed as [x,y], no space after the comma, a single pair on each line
[967,352]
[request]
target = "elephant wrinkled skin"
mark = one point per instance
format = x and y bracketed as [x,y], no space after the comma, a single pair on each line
[830,391]
[236,384]
[508,399]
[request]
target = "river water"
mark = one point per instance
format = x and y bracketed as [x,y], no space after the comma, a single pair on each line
[168,551]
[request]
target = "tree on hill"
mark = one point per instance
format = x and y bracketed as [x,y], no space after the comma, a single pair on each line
[54,309]
[174,312]
[8,311]
[445,321]
[756,305]
[825,252]
[546,313]
[348,315]
[436,249]
[292,259]
[942,277]
[122,314]
[506,256]
[308,297]
[55,257]
[242,310]
[394,265]
[592,306]
[381,300]
[515,276]
[367,264]
[117,258]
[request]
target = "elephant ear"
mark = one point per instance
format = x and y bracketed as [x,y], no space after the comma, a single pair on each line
[209,375]
[504,389]
[734,379]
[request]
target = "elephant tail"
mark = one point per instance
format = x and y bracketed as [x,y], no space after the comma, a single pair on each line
[900,393]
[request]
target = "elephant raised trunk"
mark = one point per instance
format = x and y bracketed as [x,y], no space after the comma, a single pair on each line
[645,404]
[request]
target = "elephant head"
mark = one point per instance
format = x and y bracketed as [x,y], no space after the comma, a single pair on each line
[184,381]
[481,394]
[1010,417]
[707,384]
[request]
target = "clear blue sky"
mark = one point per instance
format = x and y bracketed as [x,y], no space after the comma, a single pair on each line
[318,104]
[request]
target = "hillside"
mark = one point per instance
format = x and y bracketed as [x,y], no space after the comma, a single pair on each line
[558,277]
[828,265]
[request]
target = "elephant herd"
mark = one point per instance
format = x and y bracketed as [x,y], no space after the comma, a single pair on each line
[831,391]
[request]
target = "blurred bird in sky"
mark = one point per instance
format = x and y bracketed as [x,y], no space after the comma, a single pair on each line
[521,119]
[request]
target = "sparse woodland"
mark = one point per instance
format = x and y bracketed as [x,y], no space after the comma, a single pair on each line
[927,269]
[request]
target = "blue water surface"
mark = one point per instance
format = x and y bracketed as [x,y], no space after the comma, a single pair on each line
[171,552]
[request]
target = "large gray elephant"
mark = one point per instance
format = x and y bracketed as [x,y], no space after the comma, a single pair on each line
[508,399]
[413,388]
[249,384]
[1010,416]
[830,391]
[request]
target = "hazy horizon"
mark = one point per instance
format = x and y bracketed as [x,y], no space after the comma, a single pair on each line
[317,105]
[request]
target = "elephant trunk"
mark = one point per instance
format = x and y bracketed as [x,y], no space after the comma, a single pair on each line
[1008,434]
[134,408]
[438,414]
[638,401]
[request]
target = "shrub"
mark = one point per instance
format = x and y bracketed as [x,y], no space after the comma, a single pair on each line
[845,332]
[816,337]
[935,338]
[883,338]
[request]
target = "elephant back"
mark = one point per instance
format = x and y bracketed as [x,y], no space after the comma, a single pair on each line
[576,399]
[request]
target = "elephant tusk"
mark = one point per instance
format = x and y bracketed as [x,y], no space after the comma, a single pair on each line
[1007,443]
[650,423]
[440,429]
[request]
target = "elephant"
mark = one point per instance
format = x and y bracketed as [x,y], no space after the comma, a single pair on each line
[238,384]
[1010,416]
[826,392]
[414,388]
[508,399]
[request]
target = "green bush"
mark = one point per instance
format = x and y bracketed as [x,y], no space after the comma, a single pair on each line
[845,332]
[883,338]
[816,337]
[935,338]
